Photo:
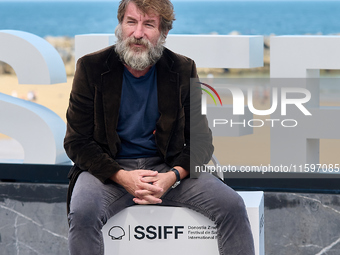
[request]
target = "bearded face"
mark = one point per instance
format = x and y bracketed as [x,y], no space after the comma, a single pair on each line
[138,53]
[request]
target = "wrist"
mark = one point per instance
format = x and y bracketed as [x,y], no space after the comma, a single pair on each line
[172,177]
[182,172]
[176,174]
[118,176]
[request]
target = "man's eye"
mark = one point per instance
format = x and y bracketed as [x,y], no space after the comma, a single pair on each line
[149,25]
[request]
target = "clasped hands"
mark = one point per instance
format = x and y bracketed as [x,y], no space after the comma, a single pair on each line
[146,186]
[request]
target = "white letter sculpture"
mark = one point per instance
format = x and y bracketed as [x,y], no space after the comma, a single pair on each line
[39,130]
[302,57]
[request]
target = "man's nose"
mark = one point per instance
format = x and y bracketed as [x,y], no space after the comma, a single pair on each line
[139,31]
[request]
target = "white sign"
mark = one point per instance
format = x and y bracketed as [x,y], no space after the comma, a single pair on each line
[174,230]
[39,130]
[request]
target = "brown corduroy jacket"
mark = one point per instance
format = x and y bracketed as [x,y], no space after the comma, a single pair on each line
[91,140]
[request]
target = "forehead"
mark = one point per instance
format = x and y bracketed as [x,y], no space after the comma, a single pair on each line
[132,11]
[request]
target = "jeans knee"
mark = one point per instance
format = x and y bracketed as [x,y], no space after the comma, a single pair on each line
[238,205]
[87,215]
[231,207]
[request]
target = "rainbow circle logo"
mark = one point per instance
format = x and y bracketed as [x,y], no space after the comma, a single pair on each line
[209,93]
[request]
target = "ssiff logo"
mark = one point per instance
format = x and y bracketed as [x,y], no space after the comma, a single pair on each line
[116,233]
[150,232]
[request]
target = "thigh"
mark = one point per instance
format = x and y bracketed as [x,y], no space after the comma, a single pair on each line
[91,199]
[221,204]
[207,195]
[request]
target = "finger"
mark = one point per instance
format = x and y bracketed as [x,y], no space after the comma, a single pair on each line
[141,201]
[150,187]
[147,179]
[142,193]
[147,173]
[147,200]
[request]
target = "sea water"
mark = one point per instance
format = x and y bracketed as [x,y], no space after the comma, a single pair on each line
[192,17]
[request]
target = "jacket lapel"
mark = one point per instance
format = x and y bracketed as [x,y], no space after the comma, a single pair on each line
[112,80]
[168,100]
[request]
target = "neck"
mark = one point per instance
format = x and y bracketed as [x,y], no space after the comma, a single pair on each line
[138,73]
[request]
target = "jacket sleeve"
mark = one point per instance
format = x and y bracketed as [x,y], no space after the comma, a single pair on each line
[198,147]
[79,143]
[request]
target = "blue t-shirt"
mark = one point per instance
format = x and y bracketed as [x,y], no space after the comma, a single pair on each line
[138,115]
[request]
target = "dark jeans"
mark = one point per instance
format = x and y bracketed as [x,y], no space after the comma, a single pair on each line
[93,203]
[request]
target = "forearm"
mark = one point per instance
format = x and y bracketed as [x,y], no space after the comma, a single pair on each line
[89,156]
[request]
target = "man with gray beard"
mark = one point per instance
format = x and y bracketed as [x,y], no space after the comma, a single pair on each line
[131,118]
[138,59]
